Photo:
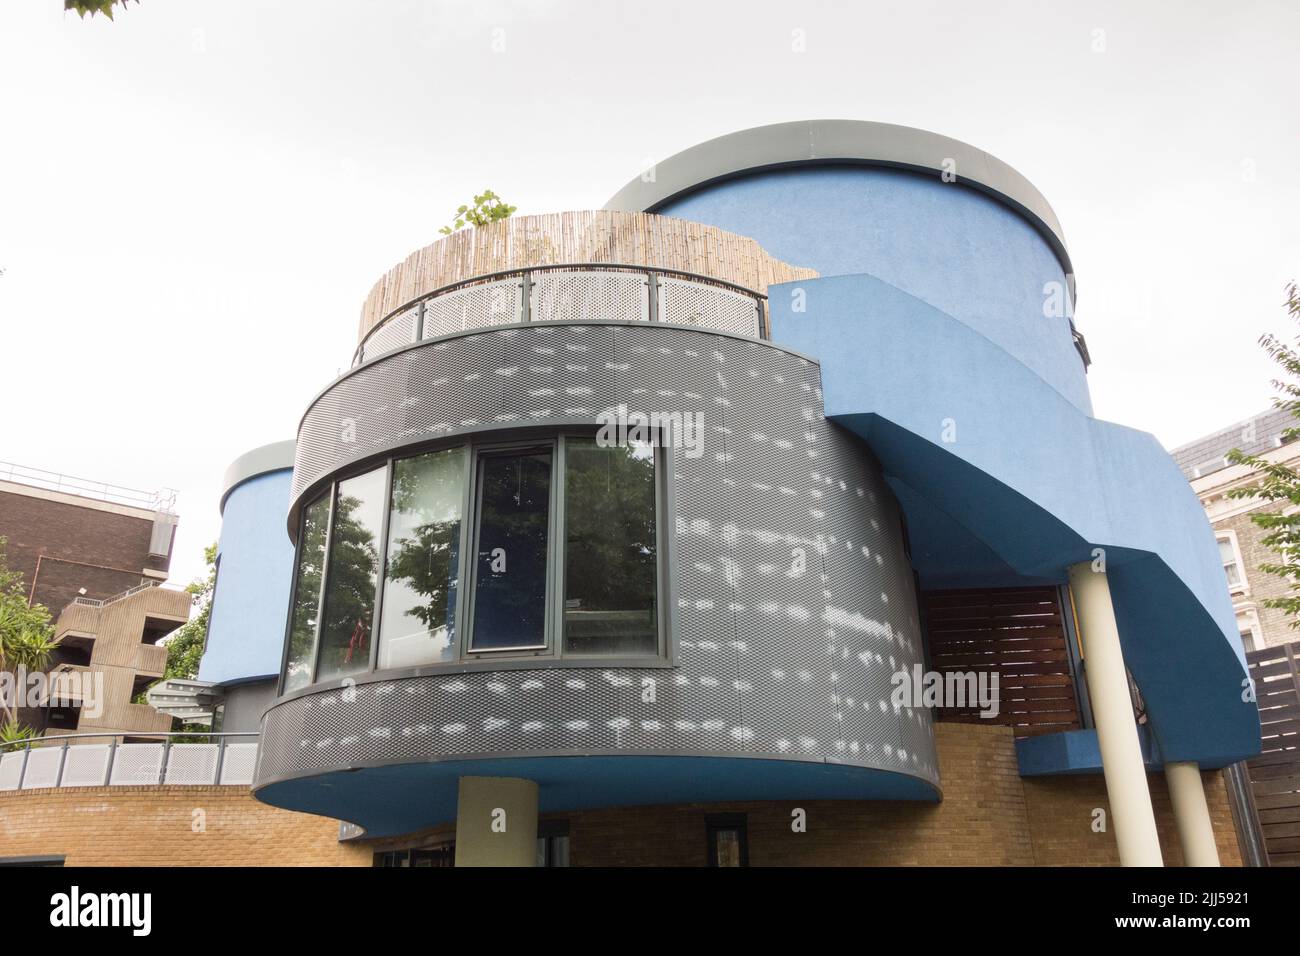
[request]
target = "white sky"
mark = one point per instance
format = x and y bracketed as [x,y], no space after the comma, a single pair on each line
[197,197]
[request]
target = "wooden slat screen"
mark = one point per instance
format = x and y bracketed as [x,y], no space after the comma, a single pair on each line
[1020,634]
[1275,773]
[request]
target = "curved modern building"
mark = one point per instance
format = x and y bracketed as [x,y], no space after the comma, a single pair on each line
[682,504]
[241,658]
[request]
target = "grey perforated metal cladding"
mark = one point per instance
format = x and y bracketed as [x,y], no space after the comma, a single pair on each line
[769,661]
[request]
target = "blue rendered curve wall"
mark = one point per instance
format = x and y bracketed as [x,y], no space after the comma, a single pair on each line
[962,251]
[1003,479]
[249,608]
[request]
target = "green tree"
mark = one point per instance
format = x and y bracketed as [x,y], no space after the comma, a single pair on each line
[350,592]
[1278,482]
[26,637]
[93,7]
[487,208]
[185,645]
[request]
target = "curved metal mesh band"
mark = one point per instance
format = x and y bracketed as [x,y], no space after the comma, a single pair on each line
[770,660]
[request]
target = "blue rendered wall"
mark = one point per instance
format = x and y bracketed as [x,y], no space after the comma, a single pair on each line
[963,252]
[246,629]
[930,310]
[1002,479]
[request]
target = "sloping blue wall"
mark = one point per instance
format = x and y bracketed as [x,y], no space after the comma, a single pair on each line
[251,603]
[930,315]
[1003,479]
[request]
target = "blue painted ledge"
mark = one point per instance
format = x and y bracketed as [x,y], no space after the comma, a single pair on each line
[1075,752]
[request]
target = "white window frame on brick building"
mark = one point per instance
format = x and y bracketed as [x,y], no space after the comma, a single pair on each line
[1241,586]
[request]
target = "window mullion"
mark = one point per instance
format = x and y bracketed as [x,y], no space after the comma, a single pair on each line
[376,615]
[555,579]
[468,551]
[324,584]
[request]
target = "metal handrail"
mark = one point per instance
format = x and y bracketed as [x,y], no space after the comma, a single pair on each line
[528,271]
[162,500]
[30,745]
[142,586]
[28,741]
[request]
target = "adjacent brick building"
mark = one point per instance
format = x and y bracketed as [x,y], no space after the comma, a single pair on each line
[92,553]
[1241,546]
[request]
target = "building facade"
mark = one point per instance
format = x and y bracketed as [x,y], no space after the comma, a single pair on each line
[642,535]
[1239,539]
[95,554]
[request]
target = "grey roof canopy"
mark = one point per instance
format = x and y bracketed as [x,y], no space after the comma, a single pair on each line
[258,461]
[837,142]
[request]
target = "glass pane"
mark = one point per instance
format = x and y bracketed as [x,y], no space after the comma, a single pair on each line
[306,595]
[418,621]
[726,844]
[510,578]
[353,575]
[1229,559]
[610,549]
[559,851]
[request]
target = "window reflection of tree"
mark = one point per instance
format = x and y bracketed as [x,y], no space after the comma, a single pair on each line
[306,605]
[424,557]
[350,597]
[610,548]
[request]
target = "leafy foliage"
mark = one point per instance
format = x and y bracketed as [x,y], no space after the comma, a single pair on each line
[12,732]
[1279,482]
[26,633]
[93,7]
[487,208]
[185,646]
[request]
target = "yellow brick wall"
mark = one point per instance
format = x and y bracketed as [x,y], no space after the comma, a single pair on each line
[989,816]
[156,826]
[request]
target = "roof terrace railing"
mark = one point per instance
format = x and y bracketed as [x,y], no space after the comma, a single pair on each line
[162,500]
[113,599]
[78,760]
[571,292]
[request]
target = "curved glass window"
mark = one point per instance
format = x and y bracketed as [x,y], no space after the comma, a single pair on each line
[611,552]
[539,549]
[306,595]
[417,622]
[352,575]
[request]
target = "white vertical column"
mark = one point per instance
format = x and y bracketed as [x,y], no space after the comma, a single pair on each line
[1191,813]
[1132,818]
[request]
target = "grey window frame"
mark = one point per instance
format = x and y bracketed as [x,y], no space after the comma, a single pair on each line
[329,491]
[552,652]
[469,555]
[386,466]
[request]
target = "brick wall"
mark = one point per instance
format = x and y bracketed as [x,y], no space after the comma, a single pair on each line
[77,546]
[989,816]
[155,826]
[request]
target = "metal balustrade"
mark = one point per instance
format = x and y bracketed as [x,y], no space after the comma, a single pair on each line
[76,760]
[569,293]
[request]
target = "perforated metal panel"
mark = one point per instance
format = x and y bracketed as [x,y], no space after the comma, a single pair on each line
[11,768]
[588,294]
[42,767]
[86,765]
[136,764]
[683,302]
[794,598]
[191,764]
[396,332]
[238,763]
[477,306]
